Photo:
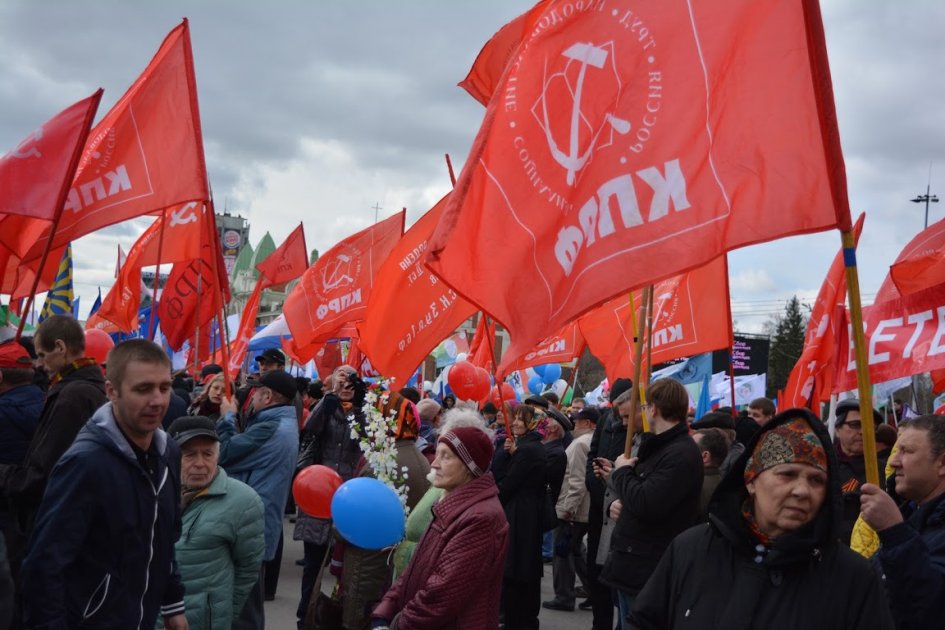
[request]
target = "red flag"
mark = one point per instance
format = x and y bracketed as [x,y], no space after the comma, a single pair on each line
[486,71]
[247,327]
[565,346]
[816,363]
[904,336]
[287,262]
[690,316]
[146,154]
[184,236]
[920,265]
[335,290]
[410,311]
[632,143]
[18,275]
[482,347]
[33,176]
[196,290]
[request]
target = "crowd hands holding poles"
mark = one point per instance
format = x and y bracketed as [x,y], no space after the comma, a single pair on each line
[123,510]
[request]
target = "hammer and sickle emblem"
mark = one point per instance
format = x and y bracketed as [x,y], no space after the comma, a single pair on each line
[573,161]
[185,215]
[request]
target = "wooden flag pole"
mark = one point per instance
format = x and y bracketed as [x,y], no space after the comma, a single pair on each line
[637,397]
[859,347]
[649,354]
[157,276]
[39,272]
[449,167]
[224,349]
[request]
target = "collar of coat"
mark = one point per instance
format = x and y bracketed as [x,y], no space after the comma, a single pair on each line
[458,501]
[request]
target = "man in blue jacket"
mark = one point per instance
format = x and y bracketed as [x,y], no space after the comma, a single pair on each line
[263,456]
[102,552]
[912,535]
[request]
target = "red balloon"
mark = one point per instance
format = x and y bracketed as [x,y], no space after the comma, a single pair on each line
[482,384]
[508,394]
[313,489]
[97,344]
[462,379]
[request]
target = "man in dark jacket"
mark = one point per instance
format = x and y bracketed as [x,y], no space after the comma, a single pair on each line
[852,462]
[659,493]
[610,434]
[77,389]
[102,554]
[21,402]
[912,536]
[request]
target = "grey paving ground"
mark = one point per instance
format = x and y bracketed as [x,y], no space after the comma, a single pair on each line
[280,613]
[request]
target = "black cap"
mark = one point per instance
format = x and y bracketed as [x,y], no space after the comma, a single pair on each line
[591,414]
[537,401]
[715,420]
[562,419]
[273,355]
[279,381]
[851,404]
[188,427]
[618,387]
[210,368]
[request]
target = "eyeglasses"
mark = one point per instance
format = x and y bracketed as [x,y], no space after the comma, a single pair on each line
[856,425]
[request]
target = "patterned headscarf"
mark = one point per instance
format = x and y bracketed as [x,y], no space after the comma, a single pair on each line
[793,442]
[392,404]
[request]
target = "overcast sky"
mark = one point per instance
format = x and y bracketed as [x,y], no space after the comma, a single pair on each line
[320,111]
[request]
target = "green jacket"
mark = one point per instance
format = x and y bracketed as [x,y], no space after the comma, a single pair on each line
[220,551]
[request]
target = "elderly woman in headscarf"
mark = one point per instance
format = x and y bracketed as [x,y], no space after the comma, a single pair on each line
[364,571]
[453,578]
[769,557]
[520,471]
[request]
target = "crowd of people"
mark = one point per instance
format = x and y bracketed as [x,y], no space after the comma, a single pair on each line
[131,497]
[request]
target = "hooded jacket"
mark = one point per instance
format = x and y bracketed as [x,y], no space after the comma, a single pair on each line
[454,577]
[719,575]
[102,553]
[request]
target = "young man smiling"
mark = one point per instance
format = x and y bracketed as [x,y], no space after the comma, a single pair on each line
[102,554]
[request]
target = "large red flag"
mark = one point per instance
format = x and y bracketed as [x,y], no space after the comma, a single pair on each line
[904,336]
[410,311]
[815,366]
[146,154]
[197,289]
[691,315]
[286,263]
[563,347]
[184,234]
[335,290]
[628,143]
[33,175]
[920,265]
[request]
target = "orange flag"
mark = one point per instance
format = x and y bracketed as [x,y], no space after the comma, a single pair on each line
[146,154]
[410,311]
[335,290]
[627,144]
[197,288]
[35,174]
[691,315]
[815,366]
[286,263]
[184,233]
[565,346]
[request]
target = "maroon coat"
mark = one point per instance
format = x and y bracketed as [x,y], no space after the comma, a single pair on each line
[454,577]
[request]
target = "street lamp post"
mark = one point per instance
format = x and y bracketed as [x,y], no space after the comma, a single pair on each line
[926,198]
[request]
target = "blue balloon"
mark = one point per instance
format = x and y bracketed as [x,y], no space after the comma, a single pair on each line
[535,385]
[550,373]
[368,513]
[540,371]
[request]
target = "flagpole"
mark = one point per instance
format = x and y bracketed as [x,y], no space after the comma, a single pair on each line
[224,348]
[157,276]
[859,346]
[61,200]
[636,396]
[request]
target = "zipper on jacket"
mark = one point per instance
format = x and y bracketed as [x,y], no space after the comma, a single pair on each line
[147,570]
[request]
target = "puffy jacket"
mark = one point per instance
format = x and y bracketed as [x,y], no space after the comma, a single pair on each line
[20,409]
[102,553]
[68,406]
[263,457]
[912,557]
[451,583]
[219,552]
[660,497]
[719,575]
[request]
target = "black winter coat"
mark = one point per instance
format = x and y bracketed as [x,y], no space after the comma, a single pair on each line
[660,497]
[718,575]
[521,481]
[608,441]
[852,475]
[69,404]
[556,466]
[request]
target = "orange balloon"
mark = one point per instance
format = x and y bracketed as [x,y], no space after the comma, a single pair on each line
[314,488]
[97,344]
